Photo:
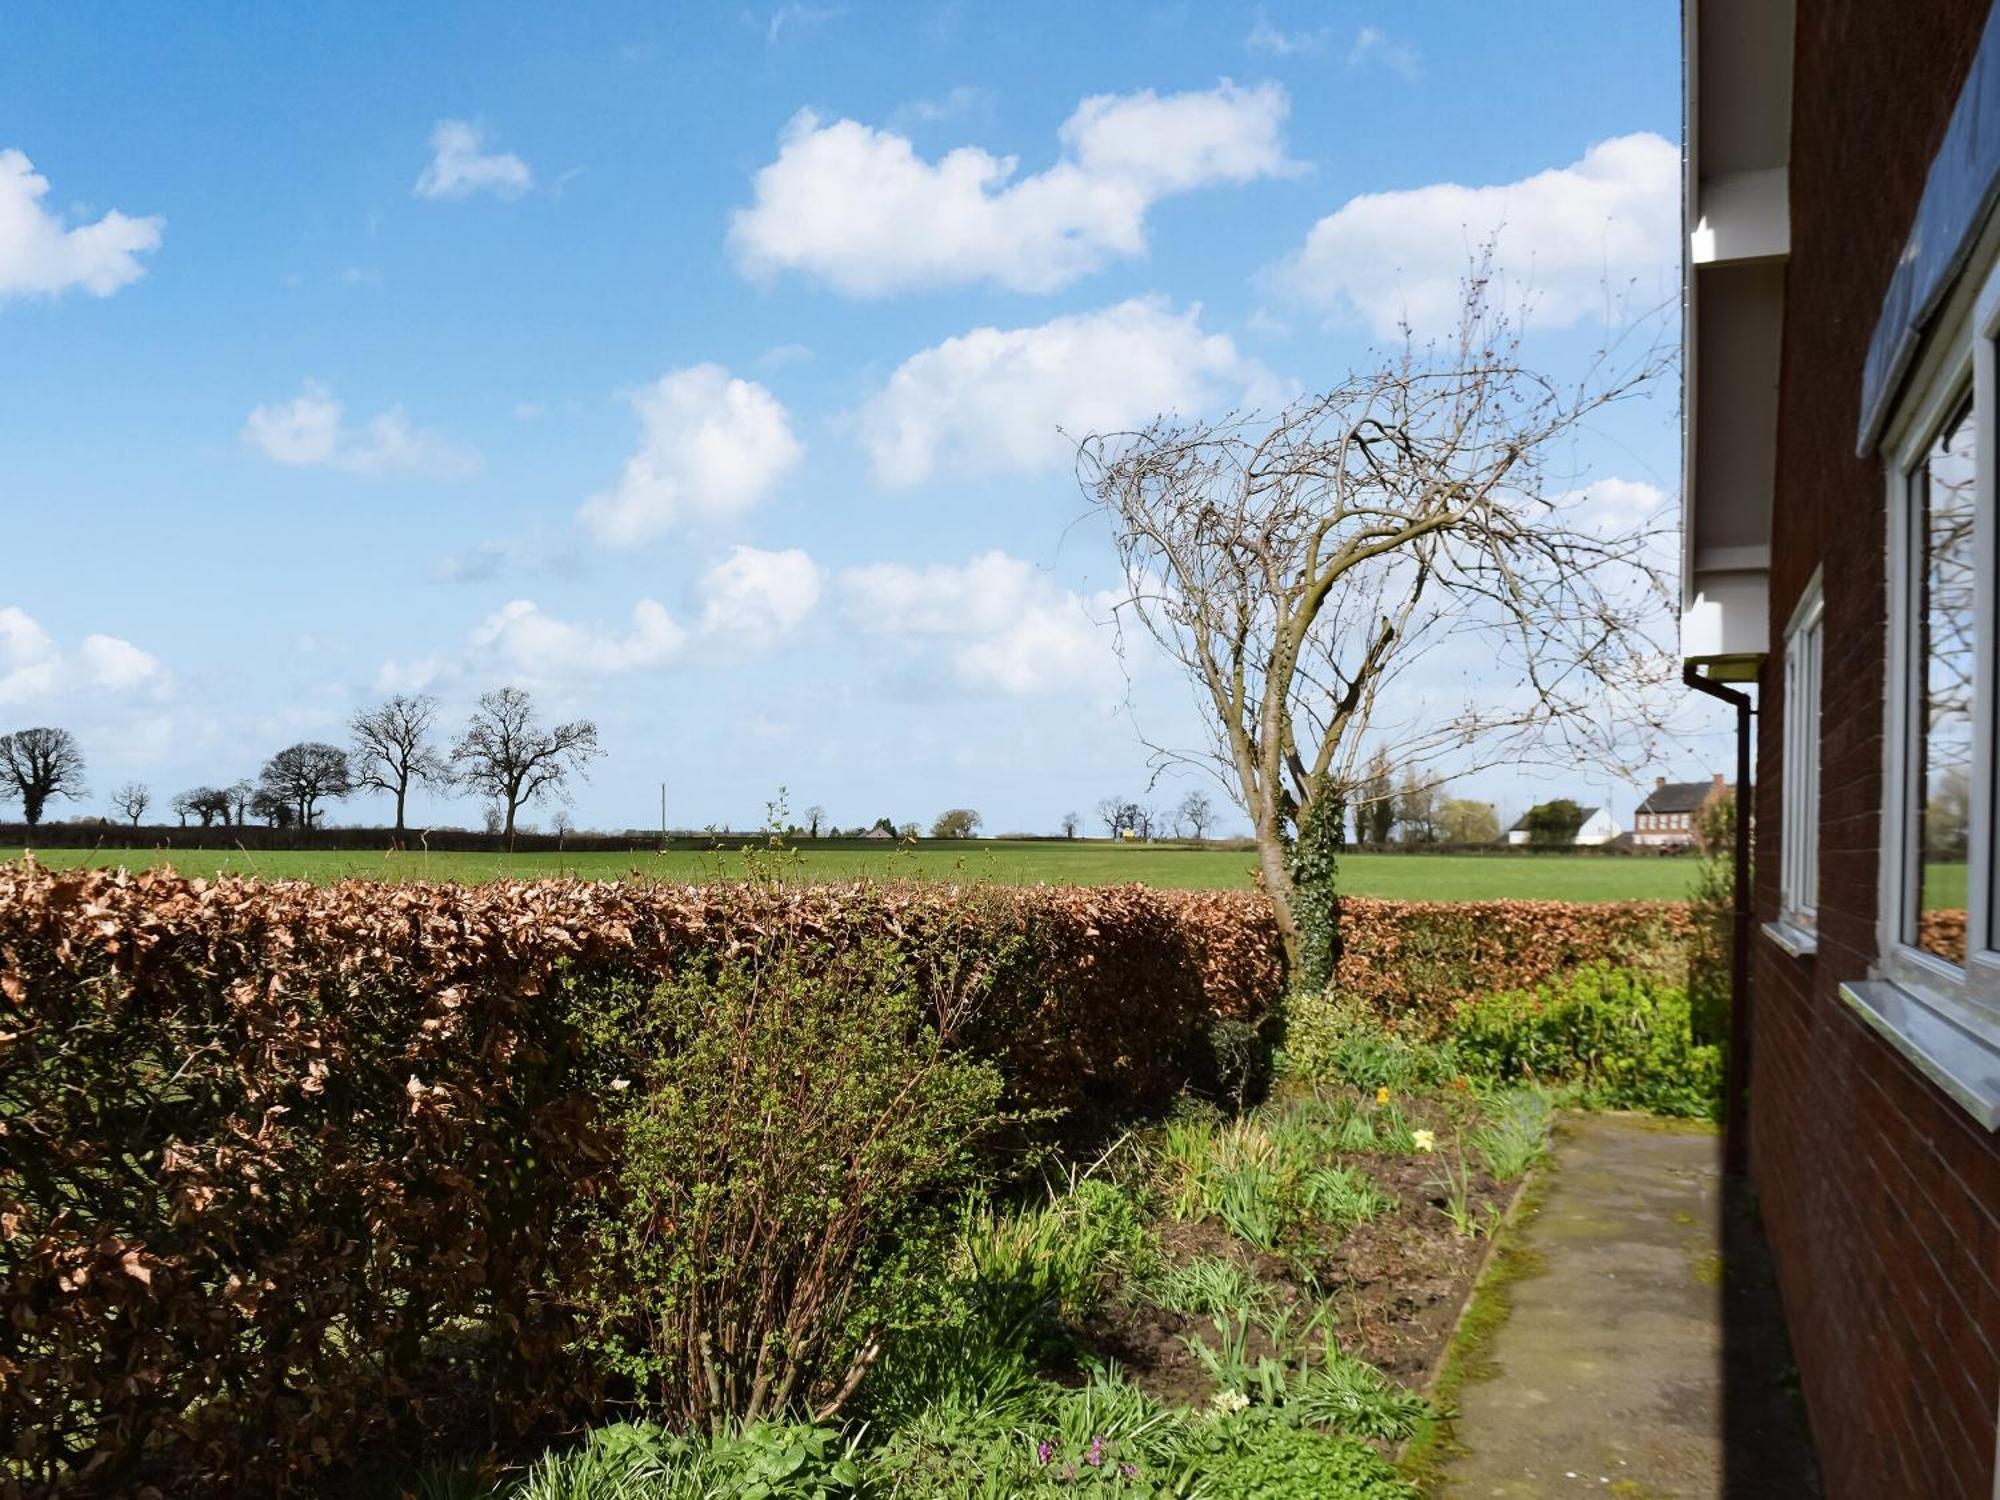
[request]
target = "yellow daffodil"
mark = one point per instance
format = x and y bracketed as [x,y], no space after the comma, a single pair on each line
[1382,1096]
[1424,1140]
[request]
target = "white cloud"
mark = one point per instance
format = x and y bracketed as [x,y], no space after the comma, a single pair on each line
[33,667]
[460,166]
[992,400]
[1572,238]
[859,208]
[306,432]
[753,599]
[1372,44]
[1001,624]
[40,255]
[793,17]
[1268,39]
[713,446]
[1612,506]
[522,642]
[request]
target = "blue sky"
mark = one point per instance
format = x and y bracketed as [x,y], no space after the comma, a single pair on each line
[700,368]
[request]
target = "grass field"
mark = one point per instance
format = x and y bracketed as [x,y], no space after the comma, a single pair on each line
[1417,877]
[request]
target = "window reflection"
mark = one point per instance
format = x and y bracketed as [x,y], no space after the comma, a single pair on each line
[1945,652]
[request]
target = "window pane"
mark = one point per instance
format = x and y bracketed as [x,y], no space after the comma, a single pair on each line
[1944,682]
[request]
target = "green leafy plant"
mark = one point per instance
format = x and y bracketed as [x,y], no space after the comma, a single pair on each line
[1342,1197]
[1262,1454]
[1454,1187]
[1515,1134]
[1210,1285]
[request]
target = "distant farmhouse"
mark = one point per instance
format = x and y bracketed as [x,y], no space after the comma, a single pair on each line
[1597,827]
[1672,815]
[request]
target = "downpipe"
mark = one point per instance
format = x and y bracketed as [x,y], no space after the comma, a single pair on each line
[1735,1106]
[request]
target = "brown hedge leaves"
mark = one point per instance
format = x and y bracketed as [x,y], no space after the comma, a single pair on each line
[286,1170]
[1415,961]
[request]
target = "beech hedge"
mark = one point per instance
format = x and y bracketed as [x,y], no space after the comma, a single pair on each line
[1413,963]
[286,1170]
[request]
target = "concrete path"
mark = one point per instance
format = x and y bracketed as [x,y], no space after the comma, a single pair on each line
[1607,1378]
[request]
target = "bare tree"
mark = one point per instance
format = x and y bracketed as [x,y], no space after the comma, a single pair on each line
[1195,815]
[132,799]
[815,818]
[392,750]
[1111,813]
[1070,823]
[210,804]
[37,764]
[241,797]
[273,807]
[305,775]
[507,755]
[1297,567]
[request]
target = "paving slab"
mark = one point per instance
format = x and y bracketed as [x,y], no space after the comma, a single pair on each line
[1608,1375]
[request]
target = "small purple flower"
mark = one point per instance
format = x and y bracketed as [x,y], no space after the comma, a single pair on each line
[1130,1471]
[1044,1451]
[1095,1457]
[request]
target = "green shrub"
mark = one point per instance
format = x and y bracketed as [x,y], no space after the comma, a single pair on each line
[781,1122]
[1617,1040]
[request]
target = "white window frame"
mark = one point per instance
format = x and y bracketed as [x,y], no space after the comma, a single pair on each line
[1798,816]
[1943,1017]
[1966,360]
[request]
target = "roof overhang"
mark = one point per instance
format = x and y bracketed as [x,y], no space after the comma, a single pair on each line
[1735,195]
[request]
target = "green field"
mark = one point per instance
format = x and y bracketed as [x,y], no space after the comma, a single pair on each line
[1417,877]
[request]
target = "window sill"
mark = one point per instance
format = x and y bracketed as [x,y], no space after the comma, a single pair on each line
[1797,942]
[1949,1044]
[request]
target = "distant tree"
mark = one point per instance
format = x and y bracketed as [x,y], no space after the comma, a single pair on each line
[1142,819]
[1417,802]
[1111,813]
[273,807]
[1070,823]
[182,808]
[906,831]
[1461,820]
[392,749]
[1375,803]
[956,823]
[1556,822]
[242,799]
[815,816]
[492,818]
[1196,815]
[132,800]
[509,756]
[561,823]
[307,774]
[208,803]
[37,764]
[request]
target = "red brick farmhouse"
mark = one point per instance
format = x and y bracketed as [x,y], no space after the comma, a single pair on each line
[1843,394]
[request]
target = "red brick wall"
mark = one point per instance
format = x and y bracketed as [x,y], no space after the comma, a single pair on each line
[1878,1192]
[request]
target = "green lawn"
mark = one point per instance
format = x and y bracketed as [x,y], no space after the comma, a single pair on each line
[1424,877]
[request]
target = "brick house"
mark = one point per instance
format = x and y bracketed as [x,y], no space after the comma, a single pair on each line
[1841,314]
[1673,813]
